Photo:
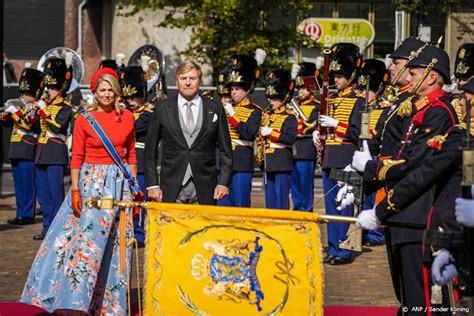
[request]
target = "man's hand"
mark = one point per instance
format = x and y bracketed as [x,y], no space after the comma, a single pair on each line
[41,104]
[465,212]
[155,194]
[316,140]
[327,121]
[229,109]
[76,201]
[220,192]
[367,219]
[265,131]
[360,158]
[442,269]
[345,196]
[10,109]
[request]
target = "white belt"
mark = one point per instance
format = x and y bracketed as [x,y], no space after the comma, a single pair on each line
[54,135]
[240,142]
[139,145]
[279,145]
[22,133]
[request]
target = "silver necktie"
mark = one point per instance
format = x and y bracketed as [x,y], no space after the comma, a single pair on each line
[189,118]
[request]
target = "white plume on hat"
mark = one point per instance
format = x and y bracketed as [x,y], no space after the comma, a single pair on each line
[295,69]
[119,57]
[260,56]
[68,57]
[319,62]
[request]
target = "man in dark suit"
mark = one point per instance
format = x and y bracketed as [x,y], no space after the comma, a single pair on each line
[190,128]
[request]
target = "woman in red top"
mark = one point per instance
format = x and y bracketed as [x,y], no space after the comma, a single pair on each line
[78,264]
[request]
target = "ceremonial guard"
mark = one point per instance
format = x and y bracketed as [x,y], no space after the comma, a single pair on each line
[52,153]
[464,65]
[373,75]
[134,91]
[343,124]
[278,132]
[434,116]
[304,151]
[23,144]
[243,118]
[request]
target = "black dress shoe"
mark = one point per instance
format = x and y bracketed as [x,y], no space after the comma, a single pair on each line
[328,258]
[21,221]
[39,237]
[372,243]
[340,260]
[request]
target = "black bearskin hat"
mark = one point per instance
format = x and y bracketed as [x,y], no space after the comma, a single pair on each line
[375,73]
[57,74]
[108,63]
[279,85]
[465,61]
[31,82]
[223,84]
[306,70]
[133,82]
[345,60]
[243,71]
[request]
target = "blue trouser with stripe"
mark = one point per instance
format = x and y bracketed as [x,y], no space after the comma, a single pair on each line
[50,191]
[337,232]
[277,190]
[240,191]
[139,226]
[375,235]
[302,185]
[24,182]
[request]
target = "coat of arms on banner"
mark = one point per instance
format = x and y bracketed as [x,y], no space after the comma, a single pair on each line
[201,261]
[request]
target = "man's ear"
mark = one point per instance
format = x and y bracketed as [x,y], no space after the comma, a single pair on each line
[432,78]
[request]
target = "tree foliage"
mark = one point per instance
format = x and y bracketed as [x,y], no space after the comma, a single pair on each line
[223,27]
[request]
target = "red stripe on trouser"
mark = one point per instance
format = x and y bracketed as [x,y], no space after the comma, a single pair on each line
[426,284]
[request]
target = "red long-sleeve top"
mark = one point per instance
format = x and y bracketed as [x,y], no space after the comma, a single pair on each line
[88,148]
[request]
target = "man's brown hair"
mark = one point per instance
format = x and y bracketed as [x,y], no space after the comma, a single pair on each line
[187,66]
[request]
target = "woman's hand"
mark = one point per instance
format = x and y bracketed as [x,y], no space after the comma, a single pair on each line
[76,202]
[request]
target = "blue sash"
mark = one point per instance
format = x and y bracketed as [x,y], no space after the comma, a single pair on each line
[134,188]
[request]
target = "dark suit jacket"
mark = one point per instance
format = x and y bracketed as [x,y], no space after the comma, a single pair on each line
[176,154]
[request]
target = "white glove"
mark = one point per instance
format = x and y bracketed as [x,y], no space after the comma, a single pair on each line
[265,131]
[41,104]
[229,109]
[10,109]
[442,269]
[316,140]
[367,219]
[360,158]
[327,121]
[349,168]
[465,212]
[345,196]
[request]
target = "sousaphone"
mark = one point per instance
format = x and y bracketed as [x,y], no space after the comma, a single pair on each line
[77,64]
[152,62]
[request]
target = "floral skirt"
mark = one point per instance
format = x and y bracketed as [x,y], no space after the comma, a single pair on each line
[77,264]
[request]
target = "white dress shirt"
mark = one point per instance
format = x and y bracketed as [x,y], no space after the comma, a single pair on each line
[195,108]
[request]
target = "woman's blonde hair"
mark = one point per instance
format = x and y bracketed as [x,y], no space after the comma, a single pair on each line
[115,86]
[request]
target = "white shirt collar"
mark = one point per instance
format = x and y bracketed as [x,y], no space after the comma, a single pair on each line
[182,101]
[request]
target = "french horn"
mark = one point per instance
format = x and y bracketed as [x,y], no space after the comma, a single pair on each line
[77,64]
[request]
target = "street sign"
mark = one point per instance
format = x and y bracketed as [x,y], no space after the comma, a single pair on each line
[329,31]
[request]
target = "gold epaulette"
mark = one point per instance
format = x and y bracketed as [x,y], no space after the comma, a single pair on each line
[58,100]
[405,108]
[385,104]
[387,164]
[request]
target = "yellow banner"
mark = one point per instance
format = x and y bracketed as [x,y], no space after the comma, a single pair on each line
[207,260]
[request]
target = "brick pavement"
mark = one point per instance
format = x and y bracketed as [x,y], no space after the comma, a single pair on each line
[365,282]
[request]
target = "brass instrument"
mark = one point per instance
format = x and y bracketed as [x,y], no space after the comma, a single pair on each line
[262,142]
[294,108]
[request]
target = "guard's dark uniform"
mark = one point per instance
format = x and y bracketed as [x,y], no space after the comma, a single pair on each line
[278,152]
[133,82]
[51,152]
[346,107]
[243,127]
[22,147]
[434,116]
[304,151]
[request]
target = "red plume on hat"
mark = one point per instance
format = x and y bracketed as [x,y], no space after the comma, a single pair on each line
[99,73]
